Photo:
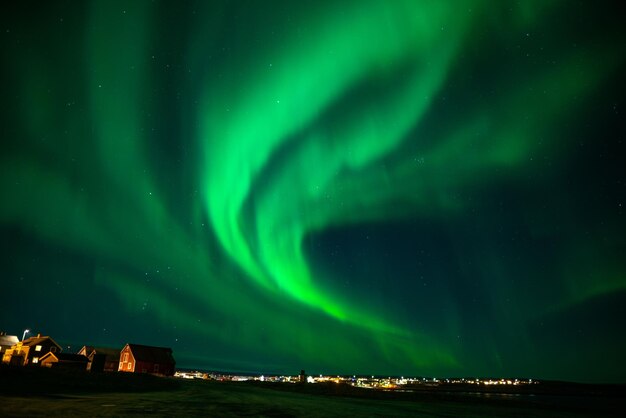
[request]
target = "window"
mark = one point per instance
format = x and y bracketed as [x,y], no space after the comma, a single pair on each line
[38,348]
[35,360]
[129,366]
[125,357]
[53,349]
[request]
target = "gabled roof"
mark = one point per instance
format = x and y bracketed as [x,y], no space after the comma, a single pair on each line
[87,348]
[107,351]
[66,357]
[32,341]
[8,340]
[160,355]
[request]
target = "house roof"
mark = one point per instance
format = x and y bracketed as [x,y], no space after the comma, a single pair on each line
[8,340]
[66,357]
[87,348]
[108,351]
[161,355]
[31,341]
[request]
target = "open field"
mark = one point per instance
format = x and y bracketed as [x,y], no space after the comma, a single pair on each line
[43,393]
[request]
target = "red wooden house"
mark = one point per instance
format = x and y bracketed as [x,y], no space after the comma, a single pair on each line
[138,358]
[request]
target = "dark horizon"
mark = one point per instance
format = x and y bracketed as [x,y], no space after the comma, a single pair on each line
[425,188]
[74,347]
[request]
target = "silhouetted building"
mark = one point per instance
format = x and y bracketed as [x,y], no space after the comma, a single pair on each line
[101,359]
[29,351]
[302,376]
[64,360]
[138,358]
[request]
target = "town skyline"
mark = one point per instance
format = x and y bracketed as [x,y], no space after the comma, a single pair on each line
[355,378]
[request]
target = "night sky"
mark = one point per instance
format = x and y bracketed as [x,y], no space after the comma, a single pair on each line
[374,187]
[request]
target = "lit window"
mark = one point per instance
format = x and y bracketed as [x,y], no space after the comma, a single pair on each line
[129,366]
[35,359]
[38,348]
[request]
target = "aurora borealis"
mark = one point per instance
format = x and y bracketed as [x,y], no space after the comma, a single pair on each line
[376,187]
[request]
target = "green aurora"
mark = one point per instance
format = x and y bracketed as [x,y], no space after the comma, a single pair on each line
[388,187]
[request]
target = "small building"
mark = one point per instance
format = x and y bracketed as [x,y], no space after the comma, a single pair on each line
[7,341]
[101,359]
[136,358]
[64,360]
[86,350]
[29,351]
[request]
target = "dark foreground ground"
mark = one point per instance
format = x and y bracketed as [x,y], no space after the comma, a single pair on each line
[32,393]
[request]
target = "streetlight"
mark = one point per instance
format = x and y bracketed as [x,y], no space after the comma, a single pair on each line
[26,331]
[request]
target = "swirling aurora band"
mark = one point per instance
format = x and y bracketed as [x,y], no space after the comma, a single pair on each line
[315,183]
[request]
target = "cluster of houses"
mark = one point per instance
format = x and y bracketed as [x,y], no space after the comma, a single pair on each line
[43,351]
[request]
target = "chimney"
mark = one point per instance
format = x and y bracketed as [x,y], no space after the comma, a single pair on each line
[38,335]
